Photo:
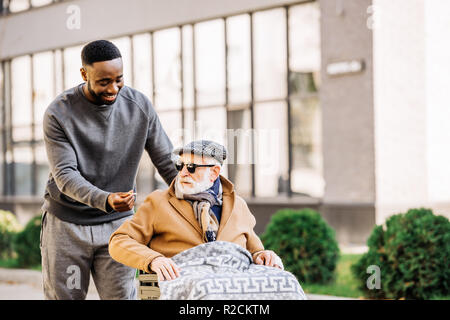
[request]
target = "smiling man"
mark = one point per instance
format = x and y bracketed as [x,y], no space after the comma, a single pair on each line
[95,135]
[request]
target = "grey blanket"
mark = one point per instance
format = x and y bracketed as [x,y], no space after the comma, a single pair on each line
[222,270]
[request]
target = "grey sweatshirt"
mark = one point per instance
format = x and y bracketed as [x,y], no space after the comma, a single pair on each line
[95,150]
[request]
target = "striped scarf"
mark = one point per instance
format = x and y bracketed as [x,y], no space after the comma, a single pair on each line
[202,204]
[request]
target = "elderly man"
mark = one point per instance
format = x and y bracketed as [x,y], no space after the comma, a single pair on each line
[200,206]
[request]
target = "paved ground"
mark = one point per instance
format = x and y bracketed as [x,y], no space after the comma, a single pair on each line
[18,284]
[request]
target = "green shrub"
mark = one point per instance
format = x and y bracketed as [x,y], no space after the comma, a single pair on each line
[412,252]
[8,227]
[27,243]
[305,243]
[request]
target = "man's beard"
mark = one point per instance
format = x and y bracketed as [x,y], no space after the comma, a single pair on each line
[98,98]
[197,187]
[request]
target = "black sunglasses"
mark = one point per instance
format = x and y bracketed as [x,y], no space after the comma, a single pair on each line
[190,166]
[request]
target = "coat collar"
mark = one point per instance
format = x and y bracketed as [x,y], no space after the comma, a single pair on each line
[185,209]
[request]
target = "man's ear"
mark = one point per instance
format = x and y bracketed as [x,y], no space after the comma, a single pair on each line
[215,171]
[83,73]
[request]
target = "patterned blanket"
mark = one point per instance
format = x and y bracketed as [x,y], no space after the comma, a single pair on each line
[222,270]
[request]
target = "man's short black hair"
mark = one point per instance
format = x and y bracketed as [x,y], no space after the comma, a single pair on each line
[99,50]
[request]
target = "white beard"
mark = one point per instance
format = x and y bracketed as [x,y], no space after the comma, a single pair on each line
[197,187]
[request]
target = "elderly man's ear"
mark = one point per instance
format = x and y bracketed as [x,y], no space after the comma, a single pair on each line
[214,173]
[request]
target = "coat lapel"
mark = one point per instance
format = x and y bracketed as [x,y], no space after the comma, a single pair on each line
[185,209]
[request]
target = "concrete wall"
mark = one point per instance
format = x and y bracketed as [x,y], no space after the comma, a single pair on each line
[400,106]
[348,121]
[347,104]
[411,76]
[437,25]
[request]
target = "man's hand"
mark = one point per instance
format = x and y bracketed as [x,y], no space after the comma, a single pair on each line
[165,268]
[266,258]
[121,201]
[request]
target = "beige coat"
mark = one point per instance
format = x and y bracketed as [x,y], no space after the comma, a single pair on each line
[164,226]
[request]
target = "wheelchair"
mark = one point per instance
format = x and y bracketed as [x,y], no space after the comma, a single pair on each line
[148,286]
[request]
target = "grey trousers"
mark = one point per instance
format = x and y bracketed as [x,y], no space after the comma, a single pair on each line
[71,253]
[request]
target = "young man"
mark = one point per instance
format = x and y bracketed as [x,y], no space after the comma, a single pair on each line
[95,135]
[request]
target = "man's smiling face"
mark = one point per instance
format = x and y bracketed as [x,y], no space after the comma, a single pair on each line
[104,79]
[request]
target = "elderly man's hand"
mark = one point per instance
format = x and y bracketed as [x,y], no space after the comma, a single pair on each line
[121,201]
[266,258]
[165,268]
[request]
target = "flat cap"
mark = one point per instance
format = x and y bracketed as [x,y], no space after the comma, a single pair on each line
[205,148]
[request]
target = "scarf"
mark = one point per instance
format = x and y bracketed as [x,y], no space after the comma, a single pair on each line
[207,206]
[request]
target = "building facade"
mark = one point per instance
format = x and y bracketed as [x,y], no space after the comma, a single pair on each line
[329,104]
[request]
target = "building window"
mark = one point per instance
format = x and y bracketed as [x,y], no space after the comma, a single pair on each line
[167,69]
[271,149]
[43,91]
[210,63]
[21,99]
[42,169]
[18,5]
[269,54]
[304,83]
[239,60]
[23,170]
[142,64]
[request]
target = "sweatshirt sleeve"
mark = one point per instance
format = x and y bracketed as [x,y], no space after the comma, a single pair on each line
[63,166]
[159,147]
[129,243]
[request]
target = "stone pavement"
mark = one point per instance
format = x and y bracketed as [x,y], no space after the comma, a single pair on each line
[22,284]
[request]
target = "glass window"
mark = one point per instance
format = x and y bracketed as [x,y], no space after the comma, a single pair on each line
[188,129]
[43,88]
[43,169]
[23,170]
[271,149]
[167,69]
[142,65]
[144,178]
[2,102]
[124,45]
[72,66]
[171,122]
[2,106]
[188,68]
[304,37]
[58,72]
[21,98]
[270,54]
[306,175]
[239,147]
[18,5]
[239,73]
[304,82]
[210,63]
[211,124]
[38,3]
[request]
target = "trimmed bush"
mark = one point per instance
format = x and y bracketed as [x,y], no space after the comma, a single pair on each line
[412,252]
[27,243]
[8,227]
[305,243]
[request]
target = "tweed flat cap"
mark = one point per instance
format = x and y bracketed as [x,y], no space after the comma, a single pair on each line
[205,148]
